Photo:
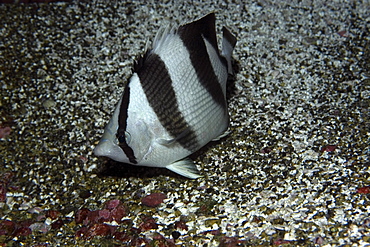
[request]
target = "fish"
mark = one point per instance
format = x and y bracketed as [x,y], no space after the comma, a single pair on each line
[175,101]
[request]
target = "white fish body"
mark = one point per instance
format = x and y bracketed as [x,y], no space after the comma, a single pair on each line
[175,101]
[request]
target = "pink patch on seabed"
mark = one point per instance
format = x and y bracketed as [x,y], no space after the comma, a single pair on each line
[4,132]
[363,190]
[329,148]
[153,200]
[343,33]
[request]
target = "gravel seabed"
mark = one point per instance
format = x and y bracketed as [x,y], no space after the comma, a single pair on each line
[289,173]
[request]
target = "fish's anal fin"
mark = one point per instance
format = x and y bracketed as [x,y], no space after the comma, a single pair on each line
[228,44]
[185,167]
[227,132]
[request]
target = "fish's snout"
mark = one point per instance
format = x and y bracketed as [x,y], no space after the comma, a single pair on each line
[99,149]
[108,149]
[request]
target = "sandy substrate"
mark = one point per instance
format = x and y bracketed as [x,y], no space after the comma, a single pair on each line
[294,171]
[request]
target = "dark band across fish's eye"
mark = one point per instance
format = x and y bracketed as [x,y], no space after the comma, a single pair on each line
[124,138]
[121,138]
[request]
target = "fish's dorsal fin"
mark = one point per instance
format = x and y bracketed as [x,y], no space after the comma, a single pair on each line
[185,167]
[204,27]
[162,36]
[160,41]
[139,61]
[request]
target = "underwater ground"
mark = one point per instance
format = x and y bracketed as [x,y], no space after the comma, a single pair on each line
[294,171]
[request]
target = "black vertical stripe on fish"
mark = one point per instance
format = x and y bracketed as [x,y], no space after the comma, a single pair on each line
[192,36]
[122,126]
[157,86]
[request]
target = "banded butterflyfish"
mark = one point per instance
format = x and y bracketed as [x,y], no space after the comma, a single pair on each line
[175,101]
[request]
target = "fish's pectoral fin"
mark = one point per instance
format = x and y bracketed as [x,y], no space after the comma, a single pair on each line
[227,132]
[168,142]
[185,167]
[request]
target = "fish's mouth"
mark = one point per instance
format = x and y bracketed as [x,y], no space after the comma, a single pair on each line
[111,150]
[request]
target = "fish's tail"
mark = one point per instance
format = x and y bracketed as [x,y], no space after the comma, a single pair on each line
[228,44]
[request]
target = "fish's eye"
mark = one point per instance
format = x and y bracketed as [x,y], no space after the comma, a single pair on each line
[123,137]
[127,137]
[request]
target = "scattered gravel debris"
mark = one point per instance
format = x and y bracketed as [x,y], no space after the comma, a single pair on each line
[293,172]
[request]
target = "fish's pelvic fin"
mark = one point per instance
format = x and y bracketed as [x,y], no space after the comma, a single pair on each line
[185,167]
[227,132]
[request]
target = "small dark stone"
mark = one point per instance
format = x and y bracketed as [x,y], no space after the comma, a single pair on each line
[53,214]
[85,194]
[282,41]
[210,191]
[57,224]
[181,225]
[176,234]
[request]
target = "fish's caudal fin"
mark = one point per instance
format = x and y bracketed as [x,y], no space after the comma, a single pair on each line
[185,167]
[228,44]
